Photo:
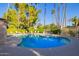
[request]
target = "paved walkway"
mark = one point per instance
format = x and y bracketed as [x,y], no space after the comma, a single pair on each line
[71,49]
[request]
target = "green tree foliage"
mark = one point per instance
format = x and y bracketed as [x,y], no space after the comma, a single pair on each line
[71,33]
[75,21]
[11,17]
[18,18]
[52,28]
[31,30]
[40,29]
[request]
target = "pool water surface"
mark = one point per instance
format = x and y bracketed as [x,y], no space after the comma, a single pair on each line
[38,41]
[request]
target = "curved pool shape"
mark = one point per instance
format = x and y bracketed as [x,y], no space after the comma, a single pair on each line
[37,41]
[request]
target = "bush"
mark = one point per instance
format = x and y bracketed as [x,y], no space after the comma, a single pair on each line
[40,29]
[31,29]
[21,31]
[78,31]
[12,29]
[71,33]
[55,30]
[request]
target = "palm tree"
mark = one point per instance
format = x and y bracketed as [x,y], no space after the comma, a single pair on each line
[64,12]
[6,14]
[18,11]
[27,14]
[63,20]
[54,14]
[7,9]
[36,4]
[39,11]
[58,20]
[38,20]
[74,21]
[44,17]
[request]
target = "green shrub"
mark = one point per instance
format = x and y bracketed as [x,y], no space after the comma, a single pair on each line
[78,31]
[71,33]
[31,29]
[40,29]
[54,29]
[13,30]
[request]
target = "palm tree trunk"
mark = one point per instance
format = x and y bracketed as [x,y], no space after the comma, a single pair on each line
[64,15]
[18,16]
[36,5]
[7,10]
[76,28]
[58,20]
[36,9]
[27,17]
[18,11]
[55,14]
[63,21]
[44,17]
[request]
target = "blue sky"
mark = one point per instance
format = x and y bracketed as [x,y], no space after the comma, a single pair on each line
[72,10]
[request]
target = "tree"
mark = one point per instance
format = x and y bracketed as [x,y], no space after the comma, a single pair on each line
[54,13]
[75,21]
[20,8]
[54,29]
[64,12]
[30,10]
[11,17]
[58,19]
[18,16]
[44,16]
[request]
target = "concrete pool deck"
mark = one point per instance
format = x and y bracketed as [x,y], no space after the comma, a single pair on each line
[71,49]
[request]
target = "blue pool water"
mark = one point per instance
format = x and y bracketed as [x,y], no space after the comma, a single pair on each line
[37,41]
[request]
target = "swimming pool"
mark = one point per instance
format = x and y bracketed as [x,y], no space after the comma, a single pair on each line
[38,41]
